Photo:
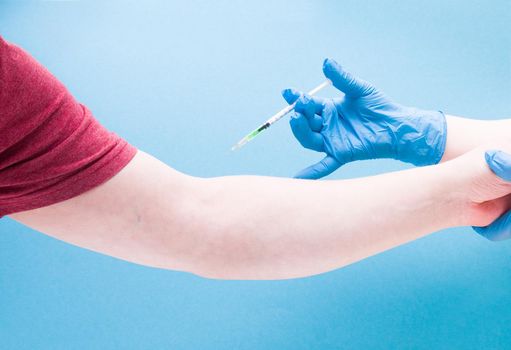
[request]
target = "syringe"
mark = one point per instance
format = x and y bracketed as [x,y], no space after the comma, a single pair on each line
[276,117]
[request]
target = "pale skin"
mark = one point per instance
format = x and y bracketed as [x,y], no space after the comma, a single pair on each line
[249,227]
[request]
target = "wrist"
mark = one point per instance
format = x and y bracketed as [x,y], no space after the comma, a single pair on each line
[425,139]
[477,194]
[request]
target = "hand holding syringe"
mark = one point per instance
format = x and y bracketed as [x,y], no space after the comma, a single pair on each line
[276,117]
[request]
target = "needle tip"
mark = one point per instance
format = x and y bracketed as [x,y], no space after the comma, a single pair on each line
[237,146]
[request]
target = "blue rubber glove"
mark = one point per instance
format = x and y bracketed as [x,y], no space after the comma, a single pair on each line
[363,124]
[500,163]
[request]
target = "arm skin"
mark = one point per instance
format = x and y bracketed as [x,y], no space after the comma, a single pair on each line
[465,134]
[248,227]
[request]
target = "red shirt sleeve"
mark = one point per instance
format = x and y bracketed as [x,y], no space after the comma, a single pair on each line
[51,146]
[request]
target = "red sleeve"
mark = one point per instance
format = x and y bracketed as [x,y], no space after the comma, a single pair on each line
[51,146]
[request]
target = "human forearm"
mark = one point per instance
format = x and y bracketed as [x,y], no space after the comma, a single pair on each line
[249,227]
[269,228]
[366,124]
[246,227]
[464,134]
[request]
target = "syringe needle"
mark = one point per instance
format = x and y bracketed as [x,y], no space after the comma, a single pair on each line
[244,140]
[276,117]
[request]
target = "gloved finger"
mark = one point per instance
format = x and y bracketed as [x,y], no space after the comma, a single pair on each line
[306,106]
[291,95]
[345,81]
[304,134]
[321,169]
[329,114]
[499,230]
[500,163]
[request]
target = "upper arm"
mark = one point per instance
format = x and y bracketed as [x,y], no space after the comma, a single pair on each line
[65,175]
[138,215]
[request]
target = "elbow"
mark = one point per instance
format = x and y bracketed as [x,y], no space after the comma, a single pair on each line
[212,236]
[199,235]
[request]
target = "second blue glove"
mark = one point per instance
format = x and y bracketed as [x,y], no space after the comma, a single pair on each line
[500,163]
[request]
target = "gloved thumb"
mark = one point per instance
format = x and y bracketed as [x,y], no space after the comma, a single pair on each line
[500,163]
[499,230]
[345,81]
[324,167]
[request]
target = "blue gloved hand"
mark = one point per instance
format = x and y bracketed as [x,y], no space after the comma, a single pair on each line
[500,163]
[363,124]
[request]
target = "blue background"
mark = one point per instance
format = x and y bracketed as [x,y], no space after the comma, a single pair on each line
[184,81]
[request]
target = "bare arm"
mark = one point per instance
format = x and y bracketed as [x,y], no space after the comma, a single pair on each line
[245,227]
[239,227]
[464,134]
